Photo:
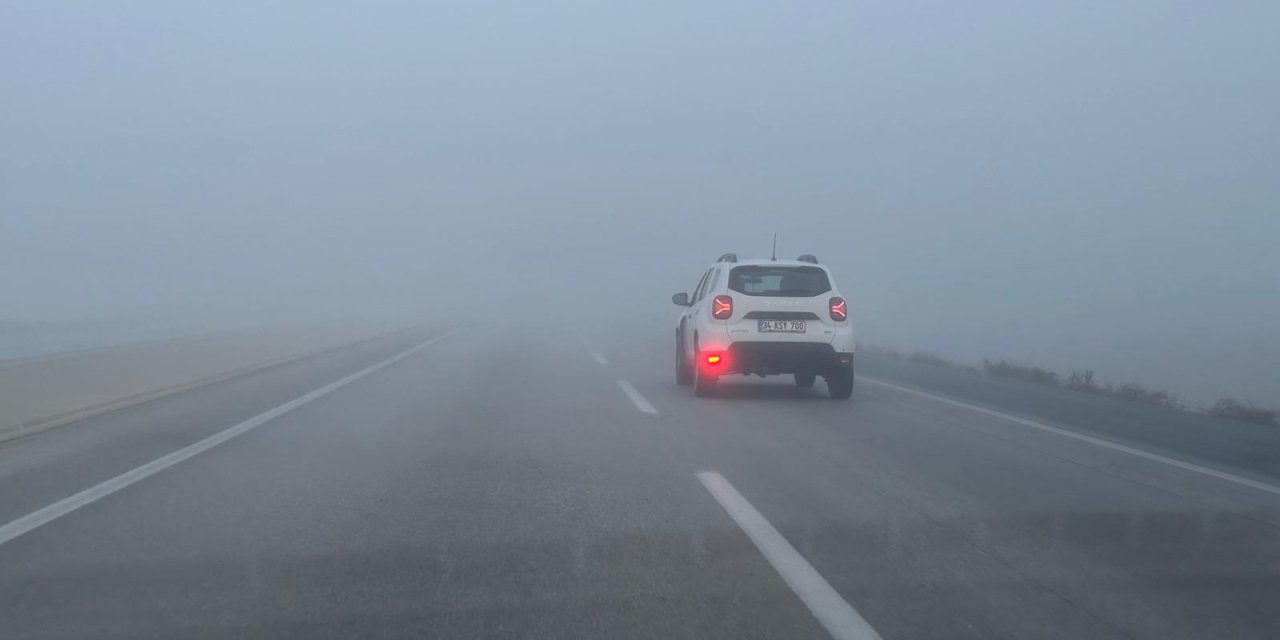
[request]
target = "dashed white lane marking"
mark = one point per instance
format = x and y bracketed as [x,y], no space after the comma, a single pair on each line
[637,399]
[66,505]
[599,358]
[837,616]
[1147,455]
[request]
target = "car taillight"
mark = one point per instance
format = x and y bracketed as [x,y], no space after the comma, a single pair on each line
[721,307]
[839,309]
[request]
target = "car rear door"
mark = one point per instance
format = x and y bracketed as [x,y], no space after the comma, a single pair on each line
[800,314]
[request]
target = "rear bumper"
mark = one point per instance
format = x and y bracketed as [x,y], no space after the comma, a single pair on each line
[770,358]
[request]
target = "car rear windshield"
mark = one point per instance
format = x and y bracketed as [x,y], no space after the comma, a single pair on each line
[787,282]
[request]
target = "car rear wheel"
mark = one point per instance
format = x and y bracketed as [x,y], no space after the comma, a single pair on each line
[805,380]
[840,383]
[684,369]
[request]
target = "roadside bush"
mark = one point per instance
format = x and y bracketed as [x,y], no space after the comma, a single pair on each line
[1019,372]
[1236,410]
[1083,381]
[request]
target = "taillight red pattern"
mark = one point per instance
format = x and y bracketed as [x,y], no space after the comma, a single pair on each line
[721,307]
[839,309]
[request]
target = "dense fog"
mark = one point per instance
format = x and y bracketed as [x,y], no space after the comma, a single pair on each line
[1065,184]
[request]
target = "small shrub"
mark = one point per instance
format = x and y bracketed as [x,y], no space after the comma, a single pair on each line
[1018,372]
[1083,381]
[1236,410]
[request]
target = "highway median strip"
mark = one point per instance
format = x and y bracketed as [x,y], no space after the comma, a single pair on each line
[43,423]
[71,503]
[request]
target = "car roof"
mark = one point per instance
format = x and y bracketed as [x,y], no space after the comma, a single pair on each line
[764,262]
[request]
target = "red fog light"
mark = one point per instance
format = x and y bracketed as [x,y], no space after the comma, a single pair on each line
[713,359]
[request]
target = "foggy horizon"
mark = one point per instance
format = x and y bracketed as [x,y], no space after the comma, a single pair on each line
[1075,187]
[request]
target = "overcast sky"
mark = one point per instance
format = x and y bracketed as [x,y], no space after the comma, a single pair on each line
[1072,183]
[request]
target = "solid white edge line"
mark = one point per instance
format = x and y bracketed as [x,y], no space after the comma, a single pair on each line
[69,504]
[599,358]
[1147,455]
[836,615]
[637,399]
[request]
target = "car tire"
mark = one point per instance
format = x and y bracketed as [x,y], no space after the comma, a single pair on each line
[805,380]
[684,368]
[840,383]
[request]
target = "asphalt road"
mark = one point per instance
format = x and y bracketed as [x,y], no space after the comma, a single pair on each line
[529,483]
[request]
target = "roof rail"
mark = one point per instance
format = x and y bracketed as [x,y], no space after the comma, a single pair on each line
[808,257]
[728,257]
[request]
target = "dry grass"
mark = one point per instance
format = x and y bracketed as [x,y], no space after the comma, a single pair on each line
[1085,381]
[1236,410]
[1020,372]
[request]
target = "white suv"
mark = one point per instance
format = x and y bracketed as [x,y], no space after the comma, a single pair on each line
[765,317]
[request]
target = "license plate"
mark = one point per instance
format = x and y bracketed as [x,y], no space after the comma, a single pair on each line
[781,326]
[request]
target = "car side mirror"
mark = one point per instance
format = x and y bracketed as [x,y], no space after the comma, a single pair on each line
[680,299]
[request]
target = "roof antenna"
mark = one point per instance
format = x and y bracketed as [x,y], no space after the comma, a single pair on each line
[775,247]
